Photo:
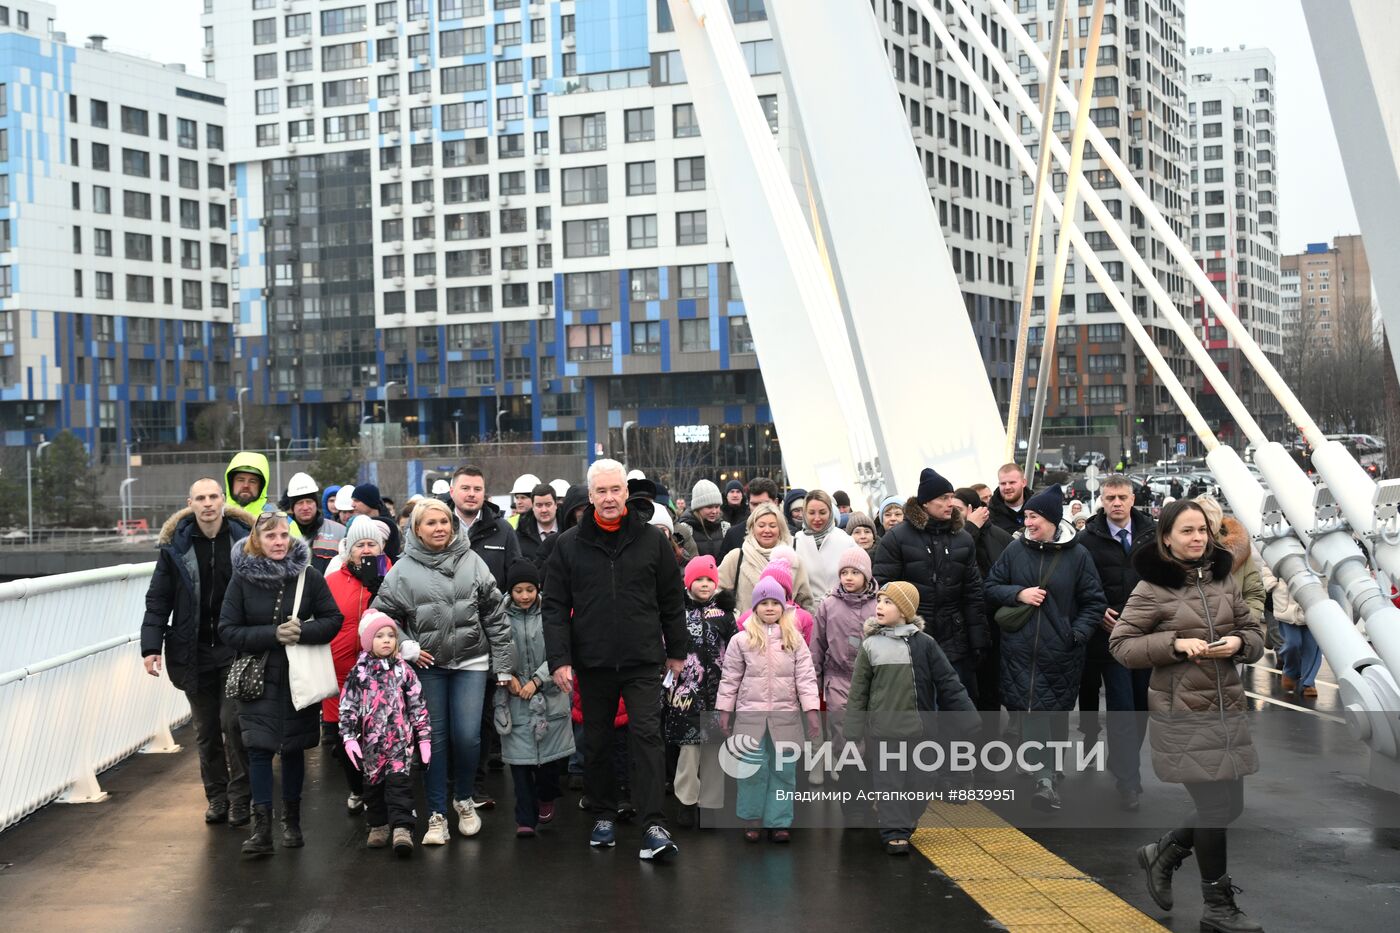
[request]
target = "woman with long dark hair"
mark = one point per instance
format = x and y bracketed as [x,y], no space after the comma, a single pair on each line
[1188,621]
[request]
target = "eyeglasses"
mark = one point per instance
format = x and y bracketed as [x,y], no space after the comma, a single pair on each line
[269,515]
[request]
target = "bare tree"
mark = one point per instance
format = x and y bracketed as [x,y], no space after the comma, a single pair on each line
[676,465]
[1336,364]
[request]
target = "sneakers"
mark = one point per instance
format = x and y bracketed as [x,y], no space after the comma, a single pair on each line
[1046,799]
[354,804]
[403,842]
[483,800]
[437,831]
[468,823]
[378,837]
[546,811]
[524,832]
[657,845]
[604,835]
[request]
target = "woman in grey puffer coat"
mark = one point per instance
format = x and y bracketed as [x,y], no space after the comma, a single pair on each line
[446,601]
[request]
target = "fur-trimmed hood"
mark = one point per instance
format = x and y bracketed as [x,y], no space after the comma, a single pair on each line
[915,515]
[1235,539]
[1154,569]
[268,574]
[231,512]
[873,626]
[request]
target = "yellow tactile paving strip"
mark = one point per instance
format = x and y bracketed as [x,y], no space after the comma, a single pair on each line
[1020,883]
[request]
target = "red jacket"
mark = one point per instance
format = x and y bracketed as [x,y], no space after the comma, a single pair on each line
[352,599]
[619,720]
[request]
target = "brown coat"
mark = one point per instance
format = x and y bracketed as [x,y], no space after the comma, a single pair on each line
[1244,568]
[1198,728]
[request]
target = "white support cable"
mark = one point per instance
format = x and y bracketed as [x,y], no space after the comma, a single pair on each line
[1096,269]
[1121,240]
[1251,349]
[1036,228]
[1067,226]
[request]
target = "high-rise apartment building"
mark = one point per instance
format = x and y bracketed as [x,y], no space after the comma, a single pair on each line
[1333,293]
[114,240]
[1232,111]
[1101,385]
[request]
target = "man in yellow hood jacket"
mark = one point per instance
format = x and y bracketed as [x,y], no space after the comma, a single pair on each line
[245,481]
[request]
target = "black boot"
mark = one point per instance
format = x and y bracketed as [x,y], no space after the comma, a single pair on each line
[260,843]
[1221,915]
[217,812]
[238,814]
[1160,859]
[291,825]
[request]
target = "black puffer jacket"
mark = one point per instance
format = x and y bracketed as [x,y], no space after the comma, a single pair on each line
[614,600]
[698,536]
[940,559]
[990,541]
[259,598]
[494,541]
[180,617]
[1041,664]
[1004,516]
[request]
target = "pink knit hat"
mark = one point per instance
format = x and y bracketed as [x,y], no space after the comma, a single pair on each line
[702,566]
[857,559]
[370,623]
[780,572]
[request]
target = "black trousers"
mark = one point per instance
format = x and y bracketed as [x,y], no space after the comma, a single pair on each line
[640,688]
[354,777]
[223,761]
[1218,804]
[390,802]
[534,785]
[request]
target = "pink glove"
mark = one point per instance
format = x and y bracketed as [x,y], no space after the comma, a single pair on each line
[352,751]
[425,750]
[814,724]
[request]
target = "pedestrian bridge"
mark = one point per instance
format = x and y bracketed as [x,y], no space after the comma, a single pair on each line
[101,827]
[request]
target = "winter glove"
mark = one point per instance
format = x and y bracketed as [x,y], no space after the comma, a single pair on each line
[352,752]
[500,713]
[289,632]
[425,750]
[814,724]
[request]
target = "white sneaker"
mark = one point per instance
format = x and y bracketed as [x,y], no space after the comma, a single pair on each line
[468,822]
[354,804]
[437,831]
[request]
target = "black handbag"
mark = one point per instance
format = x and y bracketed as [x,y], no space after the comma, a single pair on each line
[247,677]
[1011,619]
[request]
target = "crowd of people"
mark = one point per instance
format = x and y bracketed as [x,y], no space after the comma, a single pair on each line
[603,633]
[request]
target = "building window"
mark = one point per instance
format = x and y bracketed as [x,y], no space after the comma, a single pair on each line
[264,31]
[462,78]
[136,163]
[297,24]
[104,285]
[454,43]
[347,55]
[584,133]
[342,21]
[690,228]
[102,242]
[140,288]
[136,204]
[690,174]
[646,337]
[586,185]
[695,335]
[694,281]
[588,291]
[265,65]
[266,100]
[740,337]
[641,125]
[268,134]
[97,113]
[641,178]
[641,231]
[769,103]
[683,122]
[589,341]
[585,238]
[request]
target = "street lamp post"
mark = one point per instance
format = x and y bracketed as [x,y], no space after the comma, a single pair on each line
[385,394]
[240,415]
[457,432]
[29,482]
[626,425]
[277,447]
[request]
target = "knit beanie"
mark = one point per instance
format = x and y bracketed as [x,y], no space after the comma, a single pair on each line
[887,503]
[842,500]
[370,623]
[704,493]
[702,566]
[368,493]
[766,588]
[363,527]
[779,570]
[859,520]
[1049,505]
[904,596]
[932,485]
[732,485]
[856,558]
[522,571]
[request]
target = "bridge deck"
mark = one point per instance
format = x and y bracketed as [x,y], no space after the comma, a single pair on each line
[143,860]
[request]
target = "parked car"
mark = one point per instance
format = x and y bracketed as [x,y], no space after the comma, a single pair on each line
[1092,458]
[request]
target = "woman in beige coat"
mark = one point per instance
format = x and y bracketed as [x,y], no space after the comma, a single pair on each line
[1188,622]
[741,568]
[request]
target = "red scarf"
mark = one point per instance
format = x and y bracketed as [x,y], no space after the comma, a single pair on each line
[610,526]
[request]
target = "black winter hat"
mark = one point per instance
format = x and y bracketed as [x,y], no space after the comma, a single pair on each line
[732,485]
[1049,505]
[368,493]
[932,485]
[522,571]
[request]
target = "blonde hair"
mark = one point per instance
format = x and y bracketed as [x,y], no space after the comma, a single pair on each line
[424,506]
[252,545]
[1215,515]
[768,508]
[787,625]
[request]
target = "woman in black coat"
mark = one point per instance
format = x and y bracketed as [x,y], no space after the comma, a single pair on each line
[256,619]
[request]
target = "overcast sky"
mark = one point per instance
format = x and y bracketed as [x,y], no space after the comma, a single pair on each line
[1315,204]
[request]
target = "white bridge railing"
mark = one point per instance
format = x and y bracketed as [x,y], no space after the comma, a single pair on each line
[74,697]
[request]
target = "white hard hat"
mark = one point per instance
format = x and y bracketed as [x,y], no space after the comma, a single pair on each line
[636,474]
[560,487]
[345,499]
[525,484]
[440,486]
[302,485]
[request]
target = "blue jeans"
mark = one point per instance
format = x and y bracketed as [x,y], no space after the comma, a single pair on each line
[1299,656]
[1125,695]
[454,700]
[260,774]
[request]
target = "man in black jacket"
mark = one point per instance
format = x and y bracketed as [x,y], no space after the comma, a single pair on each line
[540,523]
[761,490]
[1009,500]
[1110,536]
[490,535]
[933,551]
[182,618]
[614,610]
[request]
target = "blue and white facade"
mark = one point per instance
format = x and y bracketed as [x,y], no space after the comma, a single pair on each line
[114,304]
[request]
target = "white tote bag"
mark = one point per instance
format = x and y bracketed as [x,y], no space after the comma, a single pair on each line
[310,671]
